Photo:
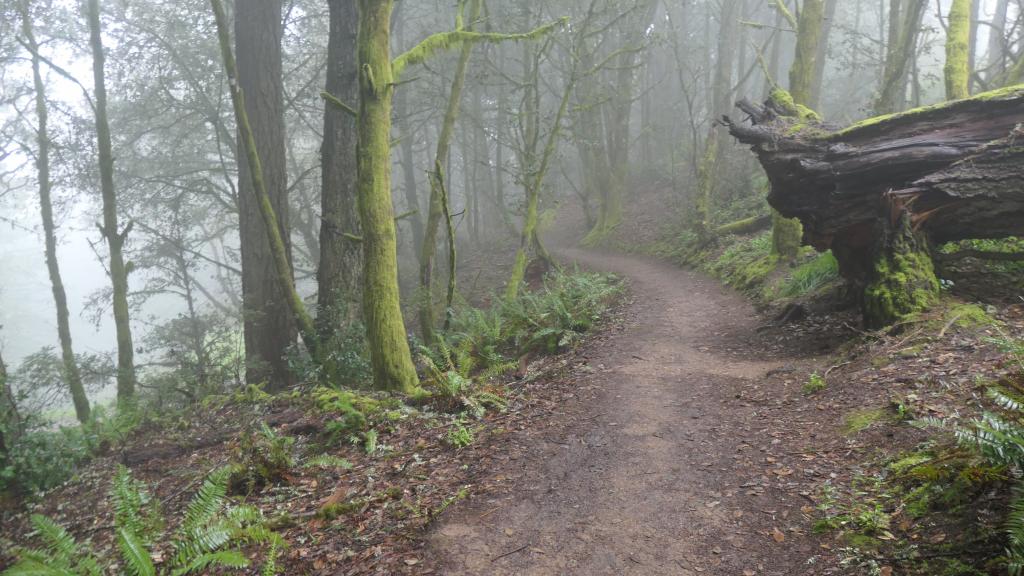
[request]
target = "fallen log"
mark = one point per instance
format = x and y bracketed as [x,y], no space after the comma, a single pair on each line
[957,168]
[894,183]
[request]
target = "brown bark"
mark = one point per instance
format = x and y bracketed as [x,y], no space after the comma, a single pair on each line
[339,275]
[954,168]
[269,326]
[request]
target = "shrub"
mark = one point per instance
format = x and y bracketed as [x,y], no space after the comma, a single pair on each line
[999,438]
[811,277]
[546,321]
[208,536]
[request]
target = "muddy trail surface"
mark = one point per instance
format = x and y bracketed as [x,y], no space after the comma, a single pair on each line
[679,463]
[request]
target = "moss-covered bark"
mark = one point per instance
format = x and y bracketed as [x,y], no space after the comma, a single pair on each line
[804,69]
[903,281]
[958,67]
[72,374]
[393,368]
[787,234]
[438,194]
[112,232]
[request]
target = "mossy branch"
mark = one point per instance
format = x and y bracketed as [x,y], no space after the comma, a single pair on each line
[443,41]
[780,5]
[337,103]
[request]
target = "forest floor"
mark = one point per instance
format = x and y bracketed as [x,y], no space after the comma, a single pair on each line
[693,456]
[679,438]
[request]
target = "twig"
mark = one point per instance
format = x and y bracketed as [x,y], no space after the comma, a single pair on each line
[520,549]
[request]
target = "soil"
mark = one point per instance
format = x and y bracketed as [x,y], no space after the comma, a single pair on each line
[677,466]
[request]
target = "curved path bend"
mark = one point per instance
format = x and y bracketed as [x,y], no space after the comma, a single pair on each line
[678,470]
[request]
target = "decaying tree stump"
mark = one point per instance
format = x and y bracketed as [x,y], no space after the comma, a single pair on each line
[880,191]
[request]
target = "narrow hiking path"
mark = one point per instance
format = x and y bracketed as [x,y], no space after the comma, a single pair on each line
[676,465]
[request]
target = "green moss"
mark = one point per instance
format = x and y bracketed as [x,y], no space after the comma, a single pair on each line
[783,100]
[904,281]
[787,235]
[335,510]
[861,420]
[970,316]
[910,460]
[1007,93]
[957,69]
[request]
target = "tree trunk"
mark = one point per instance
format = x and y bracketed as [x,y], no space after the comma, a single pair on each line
[904,26]
[618,113]
[958,67]
[406,146]
[110,228]
[72,375]
[269,326]
[389,349]
[276,242]
[339,275]
[821,59]
[721,103]
[996,61]
[438,179]
[787,233]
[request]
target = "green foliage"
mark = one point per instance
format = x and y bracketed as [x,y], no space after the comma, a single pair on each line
[999,438]
[746,264]
[327,461]
[263,458]
[815,383]
[483,343]
[810,277]
[41,456]
[459,436]
[207,538]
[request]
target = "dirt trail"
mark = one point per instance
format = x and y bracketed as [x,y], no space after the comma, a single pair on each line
[666,471]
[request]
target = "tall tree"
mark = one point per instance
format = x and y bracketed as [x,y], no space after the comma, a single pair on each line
[996,59]
[269,325]
[71,372]
[958,66]
[904,26]
[110,228]
[393,368]
[340,267]
[618,113]
[720,103]
[439,205]
[276,244]
[804,83]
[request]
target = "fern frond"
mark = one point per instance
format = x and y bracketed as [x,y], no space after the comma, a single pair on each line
[129,498]
[208,501]
[225,558]
[35,567]
[270,565]
[60,545]
[134,553]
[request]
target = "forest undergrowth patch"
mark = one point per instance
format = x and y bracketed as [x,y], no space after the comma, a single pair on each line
[343,478]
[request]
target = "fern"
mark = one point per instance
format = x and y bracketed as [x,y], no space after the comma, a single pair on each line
[134,553]
[327,461]
[210,525]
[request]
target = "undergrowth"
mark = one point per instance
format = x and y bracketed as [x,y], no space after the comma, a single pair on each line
[210,536]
